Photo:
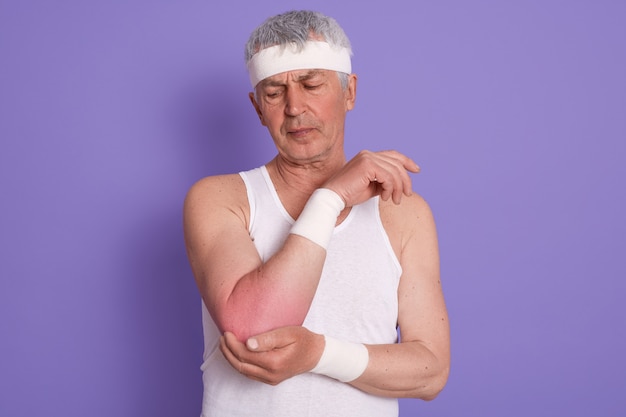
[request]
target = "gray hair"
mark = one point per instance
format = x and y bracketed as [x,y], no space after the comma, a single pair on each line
[297,27]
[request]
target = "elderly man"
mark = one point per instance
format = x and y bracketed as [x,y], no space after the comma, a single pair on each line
[308,265]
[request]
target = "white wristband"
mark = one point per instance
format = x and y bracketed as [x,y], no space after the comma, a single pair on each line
[341,360]
[319,216]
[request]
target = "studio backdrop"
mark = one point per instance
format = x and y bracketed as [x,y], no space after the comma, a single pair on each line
[111,110]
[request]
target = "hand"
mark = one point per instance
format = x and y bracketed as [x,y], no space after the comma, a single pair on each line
[274,356]
[374,173]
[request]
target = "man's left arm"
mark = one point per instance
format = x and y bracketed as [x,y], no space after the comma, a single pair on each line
[418,366]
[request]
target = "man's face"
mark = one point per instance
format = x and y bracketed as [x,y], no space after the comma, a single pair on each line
[305,111]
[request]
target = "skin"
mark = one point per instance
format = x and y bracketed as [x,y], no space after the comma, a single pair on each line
[258,305]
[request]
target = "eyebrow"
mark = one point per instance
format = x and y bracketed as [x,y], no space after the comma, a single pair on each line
[306,76]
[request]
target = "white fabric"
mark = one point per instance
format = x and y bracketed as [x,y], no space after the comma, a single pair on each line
[342,360]
[356,301]
[280,58]
[318,218]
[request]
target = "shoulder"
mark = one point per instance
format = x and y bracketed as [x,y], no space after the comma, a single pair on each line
[217,187]
[214,195]
[404,222]
[413,211]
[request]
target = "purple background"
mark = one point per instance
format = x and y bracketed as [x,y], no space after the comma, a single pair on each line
[109,111]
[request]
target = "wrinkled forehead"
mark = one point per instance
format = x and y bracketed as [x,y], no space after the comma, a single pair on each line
[314,55]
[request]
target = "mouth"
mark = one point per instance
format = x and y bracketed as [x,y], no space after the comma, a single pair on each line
[299,132]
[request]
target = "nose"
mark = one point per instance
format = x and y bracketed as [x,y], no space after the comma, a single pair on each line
[295,103]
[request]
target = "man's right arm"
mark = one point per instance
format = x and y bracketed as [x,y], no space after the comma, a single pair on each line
[244,295]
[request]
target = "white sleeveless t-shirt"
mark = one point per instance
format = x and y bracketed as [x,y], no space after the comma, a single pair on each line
[356,300]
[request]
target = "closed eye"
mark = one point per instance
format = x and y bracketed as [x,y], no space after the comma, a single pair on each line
[273,94]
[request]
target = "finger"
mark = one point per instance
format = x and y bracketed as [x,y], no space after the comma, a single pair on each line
[240,363]
[274,339]
[229,355]
[393,178]
[401,165]
[403,160]
[232,349]
[410,165]
[385,188]
[231,342]
[235,351]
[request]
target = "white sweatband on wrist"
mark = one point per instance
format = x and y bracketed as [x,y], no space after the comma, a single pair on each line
[319,216]
[345,361]
[314,55]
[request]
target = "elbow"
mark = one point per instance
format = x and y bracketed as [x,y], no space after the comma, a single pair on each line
[239,316]
[246,312]
[229,321]
[245,324]
[436,385]
[241,333]
[242,326]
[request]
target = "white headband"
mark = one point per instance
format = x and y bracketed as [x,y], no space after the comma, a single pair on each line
[315,55]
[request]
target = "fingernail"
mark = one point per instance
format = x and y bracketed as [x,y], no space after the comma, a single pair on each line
[252,344]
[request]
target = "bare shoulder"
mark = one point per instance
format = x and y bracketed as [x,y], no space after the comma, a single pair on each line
[212,196]
[404,222]
[217,190]
[227,186]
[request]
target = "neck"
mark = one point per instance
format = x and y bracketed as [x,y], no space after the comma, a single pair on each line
[303,179]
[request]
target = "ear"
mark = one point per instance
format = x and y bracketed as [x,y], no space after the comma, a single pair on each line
[351,92]
[257,108]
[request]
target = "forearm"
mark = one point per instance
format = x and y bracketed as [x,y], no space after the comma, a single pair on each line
[407,369]
[277,293]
